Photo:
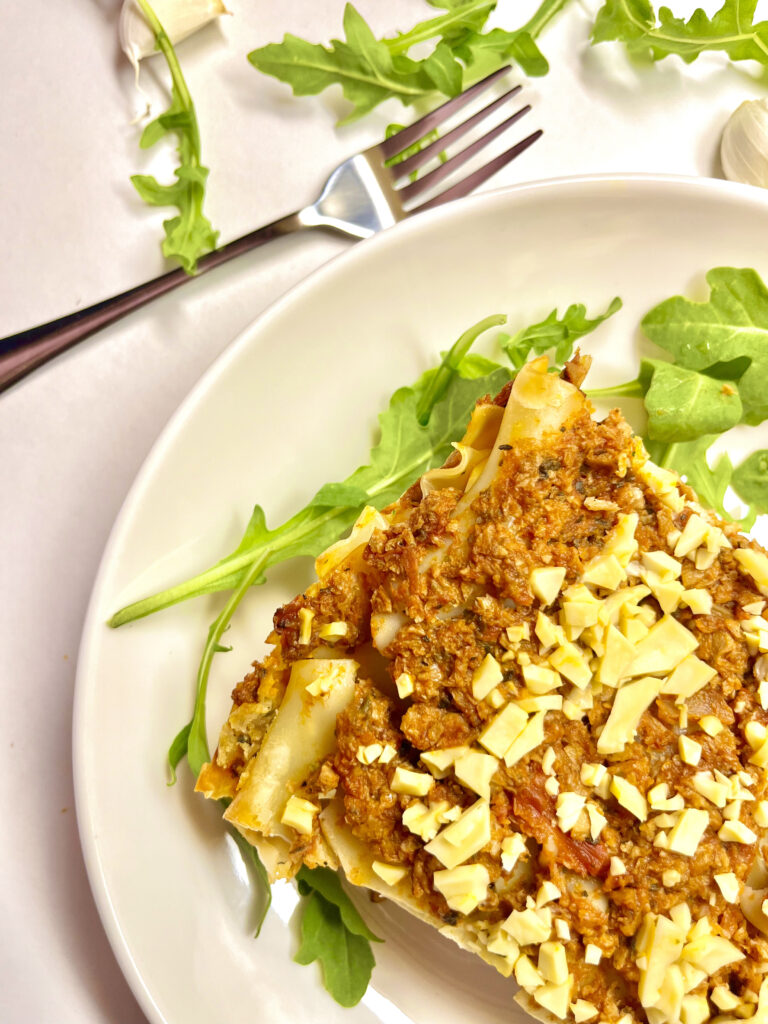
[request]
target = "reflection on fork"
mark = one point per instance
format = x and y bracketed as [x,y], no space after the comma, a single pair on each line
[362,196]
[366,194]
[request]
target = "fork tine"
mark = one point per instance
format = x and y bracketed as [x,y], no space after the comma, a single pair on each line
[417,188]
[405,138]
[402,170]
[474,180]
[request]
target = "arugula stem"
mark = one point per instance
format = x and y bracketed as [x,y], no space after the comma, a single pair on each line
[166,47]
[395,87]
[177,750]
[546,11]
[299,528]
[197,741]
[212,579]
[251,856]
[190,234]
[449,367]
[438,26]
[632,389]
[667,456]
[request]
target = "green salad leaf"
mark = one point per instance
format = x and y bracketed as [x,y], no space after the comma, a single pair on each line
[710,482]
[364,67]
[473,366]
[732,30]
[689,460]
[177,751]
[406,449]
[416,147]
[326,883]
[254,864]
[750,481]
[683,404]
[436,383]
[197,741]
[732,324]
[555,333]
[462,18]
[189,235]
[345,955]
[371,70]
[484,52]
[719,350]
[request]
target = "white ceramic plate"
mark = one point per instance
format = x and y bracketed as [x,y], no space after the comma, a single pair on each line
[289,406]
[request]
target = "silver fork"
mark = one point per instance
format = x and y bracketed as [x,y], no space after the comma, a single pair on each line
[363,195]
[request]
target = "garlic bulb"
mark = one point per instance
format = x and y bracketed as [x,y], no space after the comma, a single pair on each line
[744,147]
[179,18]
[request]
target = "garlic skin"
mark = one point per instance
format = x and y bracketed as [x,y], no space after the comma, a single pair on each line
[744,146]
[179,18]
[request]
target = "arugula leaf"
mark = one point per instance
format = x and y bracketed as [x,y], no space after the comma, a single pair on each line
[346,958]
[553,333]
[683,405]
[416,147]
[438,383]
[408,448]
[363,66]
[328,884]
[732,324]
[371,70]
[333,932]
[720,348]
[445,72]
[361,39]
[731,370]
[709,482]
[750,481]
[484,52]
[463,17]
[253,861]
[473,366]
[631,389]
[188,235]
[197,741]
[732,30]
[177,751]
[689,459]
[192,742]
[405,450]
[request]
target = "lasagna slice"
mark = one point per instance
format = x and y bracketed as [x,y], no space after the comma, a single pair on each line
[528,702]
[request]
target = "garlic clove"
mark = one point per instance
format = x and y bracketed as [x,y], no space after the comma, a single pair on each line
[179,18]
[744,146]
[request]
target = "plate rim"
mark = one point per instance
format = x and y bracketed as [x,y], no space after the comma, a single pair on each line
[173,427]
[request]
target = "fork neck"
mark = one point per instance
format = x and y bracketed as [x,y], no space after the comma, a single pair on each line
[23,352]
[259,236]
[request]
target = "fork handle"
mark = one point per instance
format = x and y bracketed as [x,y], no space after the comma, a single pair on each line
[23,352]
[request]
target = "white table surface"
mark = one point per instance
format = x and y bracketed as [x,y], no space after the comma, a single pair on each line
[73,435]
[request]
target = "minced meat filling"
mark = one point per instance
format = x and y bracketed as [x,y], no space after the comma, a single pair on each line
[558,504]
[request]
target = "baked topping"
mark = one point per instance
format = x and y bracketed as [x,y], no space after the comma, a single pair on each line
[557,738]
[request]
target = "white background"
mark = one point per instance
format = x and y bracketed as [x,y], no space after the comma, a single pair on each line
[73,435]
